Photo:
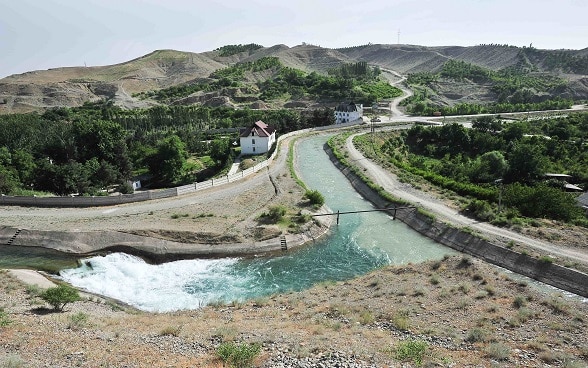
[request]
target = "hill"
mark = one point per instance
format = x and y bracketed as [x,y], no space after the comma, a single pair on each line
[73,86]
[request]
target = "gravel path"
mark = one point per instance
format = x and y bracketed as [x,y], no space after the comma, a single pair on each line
[391,184]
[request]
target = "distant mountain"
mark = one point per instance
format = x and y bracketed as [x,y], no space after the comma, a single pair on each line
[72,86]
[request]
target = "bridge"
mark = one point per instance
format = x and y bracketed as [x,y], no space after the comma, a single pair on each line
[338,213]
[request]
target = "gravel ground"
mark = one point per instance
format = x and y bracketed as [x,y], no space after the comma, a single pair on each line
[462,312]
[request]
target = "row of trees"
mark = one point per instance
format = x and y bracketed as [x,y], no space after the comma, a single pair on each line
[469,161]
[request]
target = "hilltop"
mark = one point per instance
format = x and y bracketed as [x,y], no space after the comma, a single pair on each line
[126,84]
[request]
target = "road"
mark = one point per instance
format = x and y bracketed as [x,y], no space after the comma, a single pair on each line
[405,191]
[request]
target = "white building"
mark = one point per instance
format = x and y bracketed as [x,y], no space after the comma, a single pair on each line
[348,111]
[257,139]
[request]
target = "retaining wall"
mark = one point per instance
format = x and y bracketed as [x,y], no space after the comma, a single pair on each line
[561,277]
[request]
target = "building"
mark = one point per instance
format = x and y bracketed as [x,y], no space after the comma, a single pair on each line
[348,111]
[257,139]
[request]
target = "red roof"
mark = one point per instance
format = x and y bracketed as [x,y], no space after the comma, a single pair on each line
[260,128]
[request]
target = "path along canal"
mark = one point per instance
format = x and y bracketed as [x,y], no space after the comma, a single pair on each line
[359,244]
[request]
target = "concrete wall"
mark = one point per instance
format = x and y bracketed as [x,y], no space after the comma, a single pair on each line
[563,278]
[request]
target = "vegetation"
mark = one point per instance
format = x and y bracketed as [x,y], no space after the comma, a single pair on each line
[4,319]
[516,89]
[238,355]
[58,297]
[517,154]
[315,197]
[411,350]
[96,147]
[229,50]
[357,82]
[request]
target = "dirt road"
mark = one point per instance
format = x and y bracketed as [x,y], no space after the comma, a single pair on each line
[392,185]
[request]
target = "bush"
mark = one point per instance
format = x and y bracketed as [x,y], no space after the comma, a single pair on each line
[277,213]
[126,188]
[4,319]
[498,351]
[78,320]
[411,350]
[477,334]
[238,355]
[519,301]
[315,197]
[60,296]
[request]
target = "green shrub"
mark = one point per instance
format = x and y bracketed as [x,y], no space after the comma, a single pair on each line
[4,319]
[315,197]
[411,350]
[238,355]
[126,188]
[77,321]
[60,296]
[477,334]
[276,213]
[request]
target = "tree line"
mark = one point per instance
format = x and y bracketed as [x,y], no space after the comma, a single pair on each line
[517,155]
[88,149]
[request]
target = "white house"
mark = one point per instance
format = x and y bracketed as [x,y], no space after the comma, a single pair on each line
[257,139]
[348,111]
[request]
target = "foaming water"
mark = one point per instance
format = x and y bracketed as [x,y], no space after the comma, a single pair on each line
[361,243]
[153,287]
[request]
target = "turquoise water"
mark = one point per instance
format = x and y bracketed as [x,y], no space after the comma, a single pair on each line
[35,258]
[359,244]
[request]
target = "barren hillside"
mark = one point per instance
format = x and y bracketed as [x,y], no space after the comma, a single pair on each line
[72,86]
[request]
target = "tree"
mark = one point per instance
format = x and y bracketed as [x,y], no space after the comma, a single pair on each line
[489,167]
[60,295]
[220,150]
[169,161]
[526,164]
[486,124]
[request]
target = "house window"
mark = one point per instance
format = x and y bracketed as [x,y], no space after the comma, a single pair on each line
[253,149]
[253,141]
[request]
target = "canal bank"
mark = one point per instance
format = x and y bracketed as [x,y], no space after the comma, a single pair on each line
[539,269]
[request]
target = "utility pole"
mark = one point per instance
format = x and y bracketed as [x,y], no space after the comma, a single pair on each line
[398,39]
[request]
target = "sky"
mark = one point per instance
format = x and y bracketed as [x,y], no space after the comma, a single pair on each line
[43,34]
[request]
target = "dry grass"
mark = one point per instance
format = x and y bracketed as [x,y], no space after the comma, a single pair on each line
[344,316]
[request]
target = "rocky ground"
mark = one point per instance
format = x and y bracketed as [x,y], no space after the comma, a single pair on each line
[457,312]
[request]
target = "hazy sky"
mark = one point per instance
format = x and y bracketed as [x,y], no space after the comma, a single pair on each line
[42,34]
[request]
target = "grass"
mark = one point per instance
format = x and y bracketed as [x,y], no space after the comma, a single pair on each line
[519,301]
[170,331]
[4,318]
[78,321]
[238,355]
[411,350]
[401,320]
[557,305]
[498,351]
